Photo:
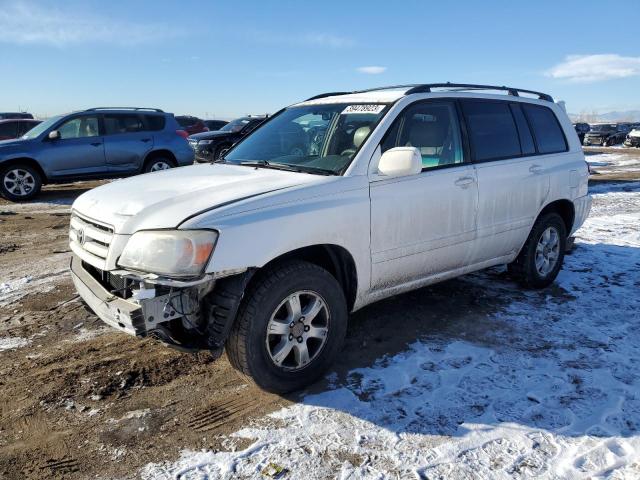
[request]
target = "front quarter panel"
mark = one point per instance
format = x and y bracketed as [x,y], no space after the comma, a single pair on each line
[334,213]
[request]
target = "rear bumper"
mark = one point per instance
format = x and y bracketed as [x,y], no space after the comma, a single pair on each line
[582,207]
[114,311]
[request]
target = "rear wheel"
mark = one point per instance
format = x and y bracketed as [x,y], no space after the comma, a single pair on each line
[290,327]
[541,257]
[159,163]
[20,182]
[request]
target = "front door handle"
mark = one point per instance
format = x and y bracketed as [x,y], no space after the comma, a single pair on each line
[96,144]
[537,169]
[464,182]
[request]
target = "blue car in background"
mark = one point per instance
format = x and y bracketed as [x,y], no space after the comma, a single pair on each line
[91,144]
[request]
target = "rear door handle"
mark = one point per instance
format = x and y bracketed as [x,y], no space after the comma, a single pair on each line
[535,169]
[464,182]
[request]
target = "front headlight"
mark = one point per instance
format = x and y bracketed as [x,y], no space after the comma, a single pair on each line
[205,142]
[175,253]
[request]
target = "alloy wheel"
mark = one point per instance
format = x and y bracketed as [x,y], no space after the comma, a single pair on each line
[547,251]
[19,182]
[297,330]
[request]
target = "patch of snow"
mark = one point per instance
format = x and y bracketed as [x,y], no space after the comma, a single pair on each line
[11,343]
[554,394]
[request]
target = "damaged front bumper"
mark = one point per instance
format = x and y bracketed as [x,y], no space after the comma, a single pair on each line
[189,315]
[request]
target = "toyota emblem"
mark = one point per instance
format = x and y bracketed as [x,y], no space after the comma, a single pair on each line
[81,238]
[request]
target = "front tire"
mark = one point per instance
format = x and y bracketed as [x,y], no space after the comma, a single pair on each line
[541,257]
[19,182]
[289,328]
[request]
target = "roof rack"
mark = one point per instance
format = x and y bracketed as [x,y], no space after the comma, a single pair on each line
[426,88]
[124,108]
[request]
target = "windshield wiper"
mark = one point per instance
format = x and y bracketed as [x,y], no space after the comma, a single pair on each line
[287,167]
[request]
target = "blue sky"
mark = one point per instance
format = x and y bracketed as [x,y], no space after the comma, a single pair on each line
[224,59]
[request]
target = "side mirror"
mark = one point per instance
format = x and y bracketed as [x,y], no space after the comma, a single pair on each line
[400,162]
[54,135]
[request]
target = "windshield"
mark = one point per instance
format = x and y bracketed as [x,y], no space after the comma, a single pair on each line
[602,128]
[38,129]
[235,125]
[320,137]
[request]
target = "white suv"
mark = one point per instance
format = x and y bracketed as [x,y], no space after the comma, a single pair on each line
[332,204]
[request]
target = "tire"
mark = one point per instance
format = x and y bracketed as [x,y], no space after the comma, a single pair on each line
[158,163]
[525,269]
[20,182]
[254,352]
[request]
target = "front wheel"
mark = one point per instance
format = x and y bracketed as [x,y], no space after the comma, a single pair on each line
[290,327]
[541,257]
[20,182]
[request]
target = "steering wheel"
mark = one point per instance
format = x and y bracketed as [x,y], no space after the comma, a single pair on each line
[349,152]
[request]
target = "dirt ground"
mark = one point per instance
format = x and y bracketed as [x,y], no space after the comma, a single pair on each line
[79,400]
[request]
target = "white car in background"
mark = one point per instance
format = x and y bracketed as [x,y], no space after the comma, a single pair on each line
[332,204]
[633,138]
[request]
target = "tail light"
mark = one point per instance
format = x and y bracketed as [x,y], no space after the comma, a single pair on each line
[182,133]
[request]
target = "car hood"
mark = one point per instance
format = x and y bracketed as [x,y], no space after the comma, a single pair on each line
[14,142]
[634,133]
[210,135]
[167,198]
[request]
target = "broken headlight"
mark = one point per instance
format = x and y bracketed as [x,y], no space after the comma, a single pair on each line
[174,253]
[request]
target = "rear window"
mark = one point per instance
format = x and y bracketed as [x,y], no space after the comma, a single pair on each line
[492,130]
[186,121]
[155,122]
[546,129]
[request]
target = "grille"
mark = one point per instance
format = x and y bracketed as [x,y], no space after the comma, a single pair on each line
[90,240]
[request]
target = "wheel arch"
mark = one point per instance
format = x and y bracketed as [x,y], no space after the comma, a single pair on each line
[161,152]
[564,208]
[334,258]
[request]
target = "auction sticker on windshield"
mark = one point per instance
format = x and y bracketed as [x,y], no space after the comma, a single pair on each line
[376,108]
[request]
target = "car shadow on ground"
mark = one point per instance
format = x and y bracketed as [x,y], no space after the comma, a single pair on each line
[479,350]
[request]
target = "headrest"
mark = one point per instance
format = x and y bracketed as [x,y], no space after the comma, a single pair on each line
[360,135]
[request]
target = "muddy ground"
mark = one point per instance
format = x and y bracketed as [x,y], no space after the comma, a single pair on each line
[81,401]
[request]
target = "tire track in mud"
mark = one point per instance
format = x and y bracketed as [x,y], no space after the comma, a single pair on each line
[218,414]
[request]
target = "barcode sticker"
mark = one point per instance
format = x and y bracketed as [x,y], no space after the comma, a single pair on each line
[375,108]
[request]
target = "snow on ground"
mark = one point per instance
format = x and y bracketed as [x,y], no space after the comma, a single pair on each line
[554,393]
[38,275]
[613,162]
[10,343]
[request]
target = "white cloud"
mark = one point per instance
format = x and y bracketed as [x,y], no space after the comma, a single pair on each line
[372,70]
[595,68]
[313,39]
[27,23]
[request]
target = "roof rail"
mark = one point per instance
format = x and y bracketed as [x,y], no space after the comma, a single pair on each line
[426,88]
[124,108]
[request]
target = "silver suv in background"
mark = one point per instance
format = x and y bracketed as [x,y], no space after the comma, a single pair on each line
[91,144]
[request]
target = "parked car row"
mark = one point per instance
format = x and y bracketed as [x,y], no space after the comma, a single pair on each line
[607,134]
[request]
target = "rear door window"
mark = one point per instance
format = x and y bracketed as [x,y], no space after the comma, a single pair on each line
[492,130]
[546,129]
[526,139]
[115,123]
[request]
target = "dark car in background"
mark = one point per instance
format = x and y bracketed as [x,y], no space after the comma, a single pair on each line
[214,125]
[15,128]
[209,146]
[582,129]
[191,124]
[11,115]
[606,134]
[90,144]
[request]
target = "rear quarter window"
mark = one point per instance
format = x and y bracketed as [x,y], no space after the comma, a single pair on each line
[546,129]
[155,122]
[492,130]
